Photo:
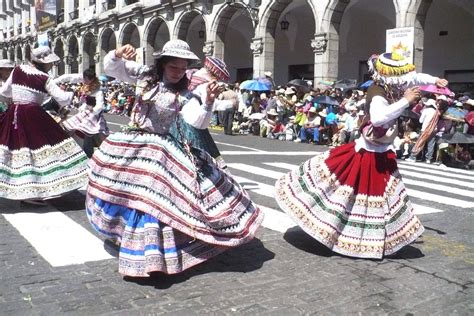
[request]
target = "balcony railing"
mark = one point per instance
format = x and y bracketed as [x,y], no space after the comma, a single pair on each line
[74,15]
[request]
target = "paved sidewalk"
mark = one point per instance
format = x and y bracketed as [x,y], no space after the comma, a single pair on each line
[279,274]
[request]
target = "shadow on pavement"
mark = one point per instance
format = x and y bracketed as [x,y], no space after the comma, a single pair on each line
[246,258]
[299,239]
[73,201]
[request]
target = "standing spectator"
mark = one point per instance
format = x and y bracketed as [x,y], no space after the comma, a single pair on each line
[229,94]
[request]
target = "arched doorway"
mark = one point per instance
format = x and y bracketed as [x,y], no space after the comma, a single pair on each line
[27,52]
[192,29]
[108,42]
[19,55]
[130,35]
[448,46]
[291,27]
[156,36]
[235,30]
[59,50]
[363,21]
[88,51]
[73,54]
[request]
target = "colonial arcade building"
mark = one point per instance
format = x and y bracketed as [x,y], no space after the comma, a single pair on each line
[311,39]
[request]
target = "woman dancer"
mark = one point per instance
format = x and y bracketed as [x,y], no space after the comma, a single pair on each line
[89,122]
[37,159]
[168,204]
[352,198]
[214,70]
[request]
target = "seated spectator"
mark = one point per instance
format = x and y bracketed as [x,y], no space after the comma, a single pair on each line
[310,129]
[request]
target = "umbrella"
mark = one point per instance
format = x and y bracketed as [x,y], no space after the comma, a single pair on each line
[410,114]
[469,118]
[257,116]
[299,84]
[324,99]
[366,84]
[457,138]
[346,84]
[254,85]
[104,78]
[431,88]
[454,114]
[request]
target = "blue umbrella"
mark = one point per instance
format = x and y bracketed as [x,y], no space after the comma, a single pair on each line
[366,84]
[324,99]
[104,78]
[255,85]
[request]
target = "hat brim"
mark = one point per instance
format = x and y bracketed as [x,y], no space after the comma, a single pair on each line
[177,53]
[48,59]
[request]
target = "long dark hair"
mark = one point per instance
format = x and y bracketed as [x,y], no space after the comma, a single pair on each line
[39,66]
[159,68]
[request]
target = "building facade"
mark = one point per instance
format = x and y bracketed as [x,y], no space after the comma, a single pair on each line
[311,39]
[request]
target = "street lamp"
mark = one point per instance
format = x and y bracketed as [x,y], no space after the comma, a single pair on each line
[284,24]
[201,32]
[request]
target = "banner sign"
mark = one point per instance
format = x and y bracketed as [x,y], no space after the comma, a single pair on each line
[401,41]
[46,14]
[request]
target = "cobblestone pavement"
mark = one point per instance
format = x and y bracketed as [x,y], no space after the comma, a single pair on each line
[280,274]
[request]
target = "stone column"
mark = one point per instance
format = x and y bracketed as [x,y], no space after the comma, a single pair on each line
[326,50]
[257,47]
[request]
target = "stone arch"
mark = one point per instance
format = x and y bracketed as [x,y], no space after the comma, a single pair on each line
[89,47]
[73,53]
[352,56]
[59,50]
[236,53]
[130,35]
[107,40]
[156,35]
[27,52]
[19,55]
[448,45]
[190,27]
[296,13]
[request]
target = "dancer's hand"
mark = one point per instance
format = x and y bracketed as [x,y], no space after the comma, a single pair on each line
[441,82]
[127,52]
[213,90]
[412,95]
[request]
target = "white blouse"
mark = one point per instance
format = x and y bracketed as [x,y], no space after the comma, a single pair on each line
[196,114]
[384,114]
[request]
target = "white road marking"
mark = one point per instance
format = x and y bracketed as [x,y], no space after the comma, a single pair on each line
[57,238]
[268,191]
[439,187]
[440,174]
[239,146]
[435,167]
[116,124]
[274,153]
[276,220]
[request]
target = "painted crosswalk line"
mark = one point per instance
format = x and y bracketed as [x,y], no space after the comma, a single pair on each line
[57,238]
[268,191]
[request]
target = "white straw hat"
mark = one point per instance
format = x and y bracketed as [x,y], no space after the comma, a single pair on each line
[176,48]
[44,55]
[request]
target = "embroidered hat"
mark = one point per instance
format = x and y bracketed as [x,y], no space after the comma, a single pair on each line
[6,63]
[176,48]
[217,68]
[272,112]
[390,68]
[44,55]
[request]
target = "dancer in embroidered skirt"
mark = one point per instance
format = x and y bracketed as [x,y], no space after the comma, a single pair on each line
[194,131]
[90,122]
[168,204]
[37,158]
[352,198]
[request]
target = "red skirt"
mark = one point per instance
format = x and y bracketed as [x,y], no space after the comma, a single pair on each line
[355,203]
[37,158]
